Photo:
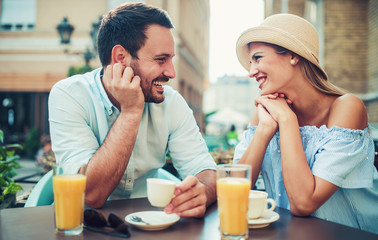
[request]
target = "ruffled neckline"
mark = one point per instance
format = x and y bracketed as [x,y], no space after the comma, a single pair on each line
[323,131]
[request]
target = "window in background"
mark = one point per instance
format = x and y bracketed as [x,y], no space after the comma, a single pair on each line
[17,15]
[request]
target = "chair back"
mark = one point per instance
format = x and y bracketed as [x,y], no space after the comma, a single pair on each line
[42,193]
[164,174]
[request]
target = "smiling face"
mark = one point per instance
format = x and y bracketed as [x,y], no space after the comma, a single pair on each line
[272,71]
[155,66]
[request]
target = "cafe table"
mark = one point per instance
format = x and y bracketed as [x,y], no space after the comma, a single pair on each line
[37,223]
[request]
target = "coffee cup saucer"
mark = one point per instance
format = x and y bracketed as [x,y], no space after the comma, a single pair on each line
[264,220]
[153,220]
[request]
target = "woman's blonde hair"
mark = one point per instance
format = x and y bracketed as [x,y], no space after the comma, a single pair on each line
[315,77]
[317,80]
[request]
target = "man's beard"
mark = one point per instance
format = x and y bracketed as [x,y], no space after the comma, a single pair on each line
[145,85]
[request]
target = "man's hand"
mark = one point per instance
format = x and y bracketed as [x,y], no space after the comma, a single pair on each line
[190,199]
[123,87]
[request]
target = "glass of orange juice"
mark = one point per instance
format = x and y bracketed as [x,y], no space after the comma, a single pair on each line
[233,185]
[69,180]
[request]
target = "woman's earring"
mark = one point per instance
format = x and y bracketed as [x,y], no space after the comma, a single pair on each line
[292,61]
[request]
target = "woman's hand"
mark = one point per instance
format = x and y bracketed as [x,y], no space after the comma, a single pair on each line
[266,121]
[276,105]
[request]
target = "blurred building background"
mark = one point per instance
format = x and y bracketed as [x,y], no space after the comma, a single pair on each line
[229,101]
[32,59]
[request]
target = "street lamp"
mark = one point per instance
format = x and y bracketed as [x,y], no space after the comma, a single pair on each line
[88,55]
[65,30]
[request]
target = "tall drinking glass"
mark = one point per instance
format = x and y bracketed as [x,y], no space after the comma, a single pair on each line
[233,185]
[69,181]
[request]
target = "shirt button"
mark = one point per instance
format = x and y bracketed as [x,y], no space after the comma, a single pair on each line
[279,194]
[129,180]
[278,150]
[367,158]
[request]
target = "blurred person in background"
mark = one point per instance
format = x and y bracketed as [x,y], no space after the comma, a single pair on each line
[232,136]
[45,156]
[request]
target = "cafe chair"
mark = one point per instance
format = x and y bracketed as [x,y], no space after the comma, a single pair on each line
[42,193]
[164,174]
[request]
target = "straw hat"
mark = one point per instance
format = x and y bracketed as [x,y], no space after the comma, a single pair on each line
[286,30]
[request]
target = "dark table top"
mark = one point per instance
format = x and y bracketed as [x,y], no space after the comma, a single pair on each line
[38,223]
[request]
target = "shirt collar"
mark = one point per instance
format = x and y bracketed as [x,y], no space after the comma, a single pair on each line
[104,97]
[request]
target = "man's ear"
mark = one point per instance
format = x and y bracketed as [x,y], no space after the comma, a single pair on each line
[120,55]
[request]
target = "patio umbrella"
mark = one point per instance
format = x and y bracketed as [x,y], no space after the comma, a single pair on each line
[227,117]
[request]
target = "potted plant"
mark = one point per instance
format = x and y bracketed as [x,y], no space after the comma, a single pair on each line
[8,165]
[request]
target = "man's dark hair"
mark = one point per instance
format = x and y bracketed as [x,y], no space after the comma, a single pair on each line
[126,25]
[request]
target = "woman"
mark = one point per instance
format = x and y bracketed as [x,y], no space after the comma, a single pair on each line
[309,139]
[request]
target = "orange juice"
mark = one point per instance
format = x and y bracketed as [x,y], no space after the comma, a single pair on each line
[69,192]
[233,204]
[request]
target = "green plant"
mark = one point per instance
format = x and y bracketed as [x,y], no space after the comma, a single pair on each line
[79,70]
[32,143]
[8,166]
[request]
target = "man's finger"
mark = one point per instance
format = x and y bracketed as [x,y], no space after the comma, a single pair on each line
[135,81]
[117,71]
[128,74]
[186,184]
[183,196]
[108,74]
[193,212]
[198,201]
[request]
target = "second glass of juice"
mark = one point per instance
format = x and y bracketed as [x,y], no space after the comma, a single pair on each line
[233,185]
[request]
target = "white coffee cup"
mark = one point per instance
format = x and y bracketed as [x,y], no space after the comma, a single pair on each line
[258,203]
[160,191]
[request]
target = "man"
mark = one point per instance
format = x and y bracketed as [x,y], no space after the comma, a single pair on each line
[121,119]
